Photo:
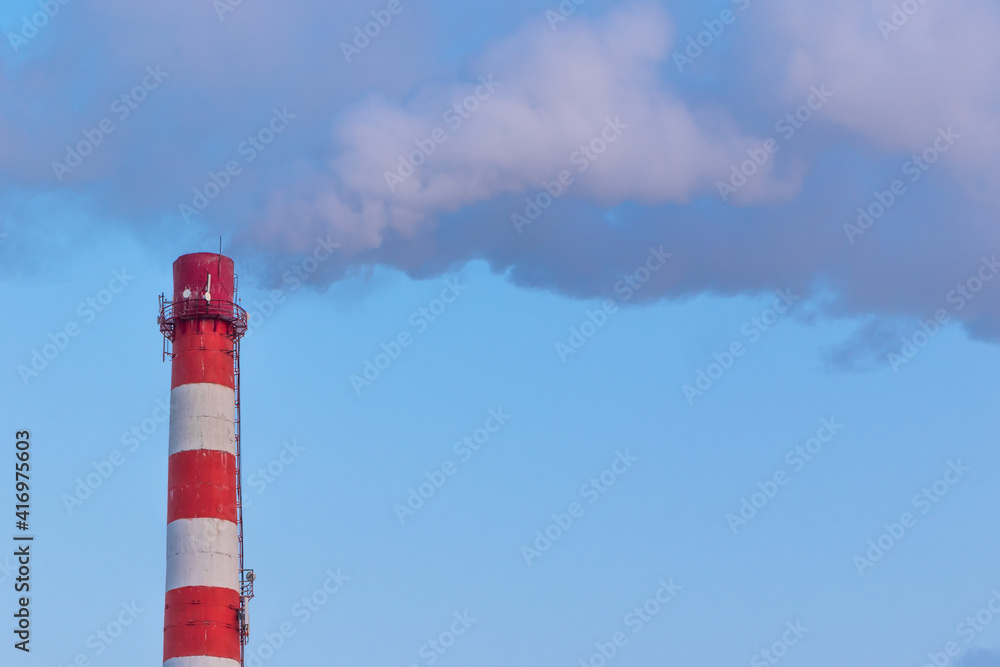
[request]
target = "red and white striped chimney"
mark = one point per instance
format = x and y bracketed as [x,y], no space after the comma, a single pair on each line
[203,615]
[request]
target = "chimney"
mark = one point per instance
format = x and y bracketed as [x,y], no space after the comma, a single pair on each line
[207,590]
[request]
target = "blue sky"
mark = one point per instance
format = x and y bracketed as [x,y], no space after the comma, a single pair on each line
[650,397]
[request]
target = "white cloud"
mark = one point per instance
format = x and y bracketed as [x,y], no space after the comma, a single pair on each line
[556,91]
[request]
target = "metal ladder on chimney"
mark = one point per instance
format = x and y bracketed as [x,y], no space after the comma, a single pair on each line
[246,576]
